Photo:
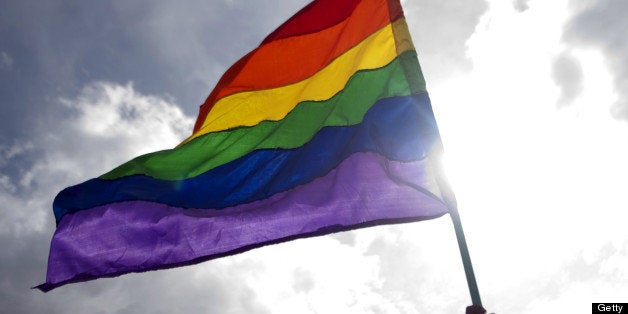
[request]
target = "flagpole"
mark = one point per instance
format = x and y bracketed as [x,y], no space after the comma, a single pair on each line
[450,200]
[466,258]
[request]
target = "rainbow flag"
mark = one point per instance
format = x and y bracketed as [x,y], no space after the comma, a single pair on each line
[325,127]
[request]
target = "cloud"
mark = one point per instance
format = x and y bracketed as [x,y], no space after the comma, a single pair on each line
[594,275]
[5,60]
[521,5]
[104,124]
[603,24]
[192,45]
[324,275]
[120,119]
[538,184]
[440,30]
[164,47]
[303,280]
[5,184]
[567,72]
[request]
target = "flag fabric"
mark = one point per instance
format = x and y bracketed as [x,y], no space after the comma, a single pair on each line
[325,127]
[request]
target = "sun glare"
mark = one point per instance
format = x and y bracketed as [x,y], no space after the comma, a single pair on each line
[522,166]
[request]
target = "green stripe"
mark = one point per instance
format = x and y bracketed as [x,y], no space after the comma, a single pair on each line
[343,109]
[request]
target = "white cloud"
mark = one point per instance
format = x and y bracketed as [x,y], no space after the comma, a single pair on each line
[387,269]
[537,184]
[6,185]
[109,123]
[143,123]
[440,30]
[5,60]
[567,73]
[602,24]
[8,152]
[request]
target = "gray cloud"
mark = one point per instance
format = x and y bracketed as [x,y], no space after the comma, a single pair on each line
[193,44]
[5,60]
[567,73]
[521,5]
[86,142]
[346,238]
[440,30]
[303,281]
[404,274]
[603,24]
[602,268]
[168,49]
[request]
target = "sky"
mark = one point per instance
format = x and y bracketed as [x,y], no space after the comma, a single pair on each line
[531,98]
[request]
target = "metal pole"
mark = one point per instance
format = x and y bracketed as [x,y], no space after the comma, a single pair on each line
[466,258]
[450,201]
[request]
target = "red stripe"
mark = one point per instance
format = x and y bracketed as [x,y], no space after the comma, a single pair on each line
[315,17]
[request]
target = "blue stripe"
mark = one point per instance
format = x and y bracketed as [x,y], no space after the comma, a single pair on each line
[399,128]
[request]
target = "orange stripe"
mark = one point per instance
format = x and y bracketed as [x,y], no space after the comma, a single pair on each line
[289,60]
[251,107]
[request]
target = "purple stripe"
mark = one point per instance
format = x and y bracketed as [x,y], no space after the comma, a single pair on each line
[134,236]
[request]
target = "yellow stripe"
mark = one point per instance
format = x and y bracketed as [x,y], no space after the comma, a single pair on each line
[250,108]
[402,36]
